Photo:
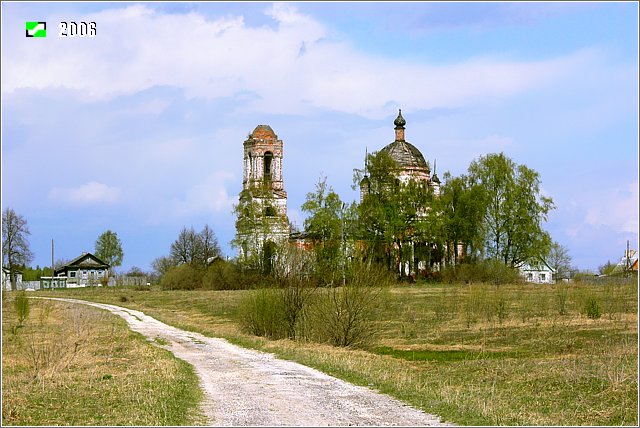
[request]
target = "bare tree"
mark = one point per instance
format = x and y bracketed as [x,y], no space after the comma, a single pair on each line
[15,246]
[210,246]
[187,248]
[161,265]
[559,260]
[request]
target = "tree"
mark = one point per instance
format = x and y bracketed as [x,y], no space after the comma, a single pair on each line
[109,249]
[324,226]
[161,265]
[559,260]
[187,248]
[462,209]
[15,246]
[396,219]
[210,246]
[195,248]
[513,209]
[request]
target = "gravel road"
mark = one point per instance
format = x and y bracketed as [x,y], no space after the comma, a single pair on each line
[245,387]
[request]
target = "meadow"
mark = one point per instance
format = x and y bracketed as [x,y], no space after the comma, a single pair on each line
[564,354]
[69,364]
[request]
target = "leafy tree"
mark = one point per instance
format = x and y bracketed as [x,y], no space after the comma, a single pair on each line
[462,210]
[324,227]
[396,218]
[559,260]
[513,209]
[15,246]
[607,268]
[109,249]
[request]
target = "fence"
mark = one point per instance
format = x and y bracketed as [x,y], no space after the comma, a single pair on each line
[114,281]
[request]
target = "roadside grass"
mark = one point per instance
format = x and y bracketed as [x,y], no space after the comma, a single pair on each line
[474,355]
[72,364]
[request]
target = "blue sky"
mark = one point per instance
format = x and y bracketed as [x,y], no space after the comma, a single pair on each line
[139,130]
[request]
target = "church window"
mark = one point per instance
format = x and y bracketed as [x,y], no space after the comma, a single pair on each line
[268,158]
[269,211]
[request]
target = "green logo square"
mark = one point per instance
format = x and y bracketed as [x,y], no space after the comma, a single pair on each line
[36,29]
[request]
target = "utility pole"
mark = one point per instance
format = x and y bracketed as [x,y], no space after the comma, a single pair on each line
[627,261]
[52,266]
[344,281]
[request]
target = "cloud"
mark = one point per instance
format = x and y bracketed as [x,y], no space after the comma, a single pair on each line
[618,211]
[293,67]
[208,197]
[87,194]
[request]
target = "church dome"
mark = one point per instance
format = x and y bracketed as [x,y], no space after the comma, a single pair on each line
[405,154]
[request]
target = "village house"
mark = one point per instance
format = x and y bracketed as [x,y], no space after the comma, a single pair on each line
[538,272]
[6,279]
[84,270]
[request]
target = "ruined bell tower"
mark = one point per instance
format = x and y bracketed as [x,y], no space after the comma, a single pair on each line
[262,221]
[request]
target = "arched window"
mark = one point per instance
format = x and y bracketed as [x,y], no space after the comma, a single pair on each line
[268,254]
[268,158]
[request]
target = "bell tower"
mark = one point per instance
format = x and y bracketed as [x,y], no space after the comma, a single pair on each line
[262,221]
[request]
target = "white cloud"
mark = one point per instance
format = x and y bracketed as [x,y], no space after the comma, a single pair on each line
[618,211]
[208,197]
[291,68]
[86,194]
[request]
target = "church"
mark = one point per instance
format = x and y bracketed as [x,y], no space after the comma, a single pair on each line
[262,223]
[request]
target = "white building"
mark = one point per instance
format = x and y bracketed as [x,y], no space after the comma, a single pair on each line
[538,273]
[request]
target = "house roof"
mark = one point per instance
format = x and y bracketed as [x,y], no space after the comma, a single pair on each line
[538,265]
[84,261]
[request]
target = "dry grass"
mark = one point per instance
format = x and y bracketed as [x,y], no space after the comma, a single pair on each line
[76,365]
[479,355]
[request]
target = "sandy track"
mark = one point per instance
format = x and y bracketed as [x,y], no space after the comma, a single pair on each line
[246,387]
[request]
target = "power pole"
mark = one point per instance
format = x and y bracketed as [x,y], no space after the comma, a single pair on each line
[344,281]
[627,261]
[52,265]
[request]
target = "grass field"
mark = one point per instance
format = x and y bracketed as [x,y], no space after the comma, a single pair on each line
[475,355]
[75,365]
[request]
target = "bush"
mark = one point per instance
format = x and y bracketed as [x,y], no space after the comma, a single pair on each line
[592,308]
[21,305]
[222,275]
[183,277]
[262,313]
[487,271]
[344,316]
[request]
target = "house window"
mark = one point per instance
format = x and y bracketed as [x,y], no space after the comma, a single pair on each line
[72,274]
[529,276]
[543,277]
[84,274]
[100,272]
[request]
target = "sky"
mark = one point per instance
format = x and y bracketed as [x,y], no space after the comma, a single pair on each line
[139,130]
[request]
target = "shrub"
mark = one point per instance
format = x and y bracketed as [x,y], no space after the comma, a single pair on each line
[222,275]
[487,271]
[183,277]
[21,305]
[344,316]
[561,299]
[592,308]
[262,313]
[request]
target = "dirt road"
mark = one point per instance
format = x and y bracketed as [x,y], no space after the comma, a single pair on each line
[246,387]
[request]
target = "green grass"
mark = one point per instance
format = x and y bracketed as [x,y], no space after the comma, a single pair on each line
[475,355]
[76,365]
